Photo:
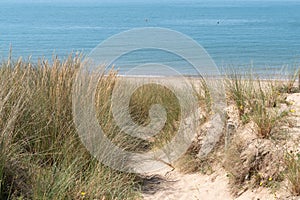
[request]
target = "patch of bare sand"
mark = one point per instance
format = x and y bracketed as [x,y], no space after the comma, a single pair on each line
[176,185]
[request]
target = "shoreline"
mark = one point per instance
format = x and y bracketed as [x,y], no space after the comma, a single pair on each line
[243,77]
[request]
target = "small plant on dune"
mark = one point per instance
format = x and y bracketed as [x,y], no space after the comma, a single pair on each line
[256,100]
[288,84]
[190,163]
[293,172]
[239,90]
[264,110]
[234,165]
[251,165]
[202,91]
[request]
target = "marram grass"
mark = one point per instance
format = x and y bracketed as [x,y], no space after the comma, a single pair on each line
[41,155]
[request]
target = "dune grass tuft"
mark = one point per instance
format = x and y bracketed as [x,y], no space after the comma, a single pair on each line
[41,155]
[293,172]
[257,100]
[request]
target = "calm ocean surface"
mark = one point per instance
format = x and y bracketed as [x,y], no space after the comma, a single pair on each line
[264,34]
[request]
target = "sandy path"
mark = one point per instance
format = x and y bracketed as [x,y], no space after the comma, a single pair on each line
[197,186]
[190,186]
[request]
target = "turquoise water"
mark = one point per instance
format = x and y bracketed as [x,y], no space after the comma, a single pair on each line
[263,33]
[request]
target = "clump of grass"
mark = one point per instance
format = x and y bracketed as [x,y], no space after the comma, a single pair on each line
[237,89]
[152,94]
[140,103]
[202,91]
[256,100]
[14,173]
[251,165]
[42,156]
[234,165]
[288,84]
[264,109]
[190,163]
[293,172]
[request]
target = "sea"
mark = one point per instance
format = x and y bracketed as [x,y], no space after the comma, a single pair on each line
[263,36]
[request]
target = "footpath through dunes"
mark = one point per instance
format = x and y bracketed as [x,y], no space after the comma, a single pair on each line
[173,185]
[196,186]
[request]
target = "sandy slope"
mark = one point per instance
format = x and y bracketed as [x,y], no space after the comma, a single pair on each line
[175,185]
